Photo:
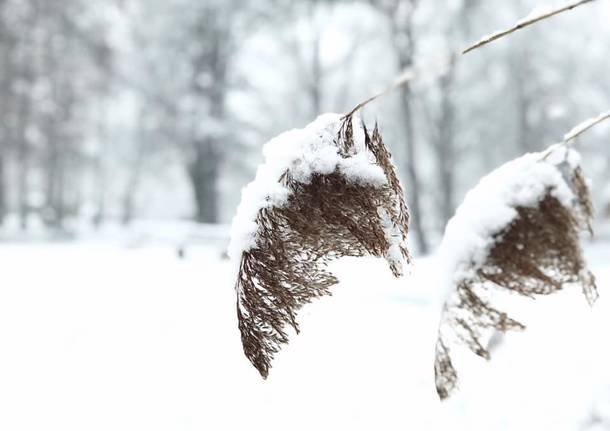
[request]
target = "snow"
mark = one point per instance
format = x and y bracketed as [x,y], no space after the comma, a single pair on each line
[302,152]
[537,13]
[97,336]
[490,206]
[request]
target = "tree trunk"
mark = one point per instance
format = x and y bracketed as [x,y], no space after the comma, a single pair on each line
[3,207]
[100,191]
[445,147]
[404,46]
[133,181]
[203,173]
[413,186]
[523,108]
[54,213]
[315,85]
[23,164]
[27,71]
[7,77]
[100,175]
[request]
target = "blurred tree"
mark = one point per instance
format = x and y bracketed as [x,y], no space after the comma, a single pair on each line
[189,98]
[52,55]
[7,77]
[209,61]
[444,122]
[98,102]
[400,14]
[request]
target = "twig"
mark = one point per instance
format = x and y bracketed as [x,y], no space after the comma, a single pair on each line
[583,127]
[406,77]
[569,137]
[410,74]
[403,79]
[525,23]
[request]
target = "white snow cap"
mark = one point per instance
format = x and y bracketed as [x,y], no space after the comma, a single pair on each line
[490,206]
[302,152]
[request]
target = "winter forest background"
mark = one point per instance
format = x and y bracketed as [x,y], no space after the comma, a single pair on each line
[115,111]
[129,127]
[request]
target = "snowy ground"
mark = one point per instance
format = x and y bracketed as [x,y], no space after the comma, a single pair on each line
[95,335]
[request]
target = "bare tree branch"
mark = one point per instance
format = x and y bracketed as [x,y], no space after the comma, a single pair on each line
[525,23]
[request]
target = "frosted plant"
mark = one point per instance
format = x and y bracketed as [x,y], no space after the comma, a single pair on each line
[518,231]
[326,191]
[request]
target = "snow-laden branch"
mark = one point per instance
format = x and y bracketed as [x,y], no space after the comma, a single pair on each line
[584,126]
[576,131]
[534,17]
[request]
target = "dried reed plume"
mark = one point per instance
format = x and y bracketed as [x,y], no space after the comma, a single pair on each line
[326,218]
[538,253]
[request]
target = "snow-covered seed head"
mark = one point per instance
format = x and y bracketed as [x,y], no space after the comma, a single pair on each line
[338,195]
[534,250]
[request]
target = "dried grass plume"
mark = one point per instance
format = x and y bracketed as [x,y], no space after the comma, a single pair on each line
[331,212]
[534,251]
